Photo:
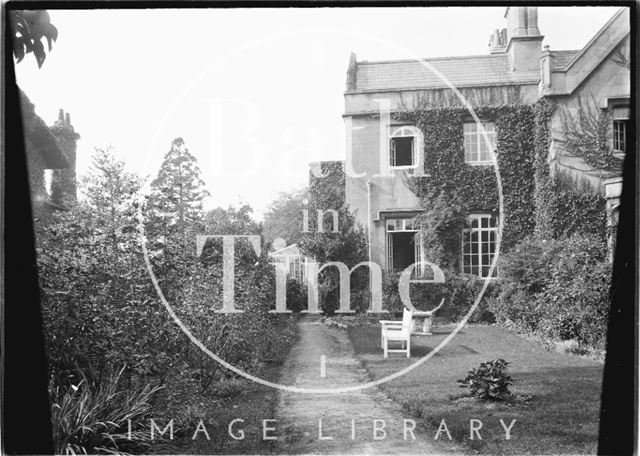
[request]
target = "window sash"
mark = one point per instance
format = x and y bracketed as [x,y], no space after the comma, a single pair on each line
[401,224]
[619,135]
[476,148]
[405,131]
[478,246]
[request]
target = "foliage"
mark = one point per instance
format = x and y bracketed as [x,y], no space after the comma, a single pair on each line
[560,208]
[178,190]
[96,420]
[558,288]
[587,132]
[97,301]
[348,245]
[489,381]
[237,221]
[459,291]
[474,188]
[569,212]
[441,224]
[283,218]
[29,27]
[101,310]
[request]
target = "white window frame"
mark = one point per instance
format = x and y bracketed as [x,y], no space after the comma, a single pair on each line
[480,229]
[476,138]
[620,117]
[405,131]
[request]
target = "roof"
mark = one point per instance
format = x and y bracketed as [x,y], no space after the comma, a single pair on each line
[475,70]
[573,68]
[288,251]
[562,59]
[38,137]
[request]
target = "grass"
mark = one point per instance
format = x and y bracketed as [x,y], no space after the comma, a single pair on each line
[560,418]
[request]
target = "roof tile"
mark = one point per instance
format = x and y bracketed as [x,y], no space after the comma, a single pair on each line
[460,71]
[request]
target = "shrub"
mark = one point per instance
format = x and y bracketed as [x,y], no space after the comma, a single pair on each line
[558,288]
[96,420]
[489,381]
[459,292]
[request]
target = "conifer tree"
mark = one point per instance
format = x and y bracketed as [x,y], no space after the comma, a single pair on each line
[178,190]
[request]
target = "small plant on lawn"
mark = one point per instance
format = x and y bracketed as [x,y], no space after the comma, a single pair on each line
[490,381]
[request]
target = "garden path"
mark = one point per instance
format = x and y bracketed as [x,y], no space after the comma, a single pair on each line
[298,414]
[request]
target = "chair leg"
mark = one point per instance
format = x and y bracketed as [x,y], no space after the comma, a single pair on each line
[385,346]
[408,348]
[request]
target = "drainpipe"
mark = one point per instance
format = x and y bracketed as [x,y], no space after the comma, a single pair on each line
[369,185]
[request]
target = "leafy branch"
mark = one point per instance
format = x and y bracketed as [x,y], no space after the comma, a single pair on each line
[29,28]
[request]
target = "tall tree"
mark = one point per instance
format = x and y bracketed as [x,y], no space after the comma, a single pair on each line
[232,220]
[178,190]
[284,218]
[112,191]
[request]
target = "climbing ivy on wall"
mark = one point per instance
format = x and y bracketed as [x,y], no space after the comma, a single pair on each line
[474,188]
[561,209]
[534,201]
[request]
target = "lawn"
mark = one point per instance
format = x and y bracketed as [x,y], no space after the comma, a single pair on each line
[560,418]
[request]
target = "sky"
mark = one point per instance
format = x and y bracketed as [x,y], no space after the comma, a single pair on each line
[256,94]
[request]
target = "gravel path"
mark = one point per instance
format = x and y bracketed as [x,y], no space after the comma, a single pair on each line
[298,414]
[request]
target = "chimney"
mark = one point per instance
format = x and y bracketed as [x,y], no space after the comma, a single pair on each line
[523,39]
[546,63]
[351,73]
[498,41]
[63,181]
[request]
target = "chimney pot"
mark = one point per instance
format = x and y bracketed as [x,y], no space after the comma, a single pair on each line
[67,119]
[61,115]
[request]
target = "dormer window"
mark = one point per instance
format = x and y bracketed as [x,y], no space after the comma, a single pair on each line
[476,147]
[404,144]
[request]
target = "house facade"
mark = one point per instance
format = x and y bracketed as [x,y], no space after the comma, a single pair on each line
[383,149]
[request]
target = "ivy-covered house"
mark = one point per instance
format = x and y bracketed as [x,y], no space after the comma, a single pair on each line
[418,172]
[49,148]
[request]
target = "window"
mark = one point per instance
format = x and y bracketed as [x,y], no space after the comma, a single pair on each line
[476,148]
[403,147]
[297,268]
[479,245]
[403,244]
[620,116]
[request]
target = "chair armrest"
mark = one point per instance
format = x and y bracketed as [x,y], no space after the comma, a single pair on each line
[390,322]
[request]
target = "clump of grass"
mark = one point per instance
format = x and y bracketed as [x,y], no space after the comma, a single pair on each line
[91,420]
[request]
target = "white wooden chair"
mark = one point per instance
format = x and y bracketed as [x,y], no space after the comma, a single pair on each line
[397,331]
